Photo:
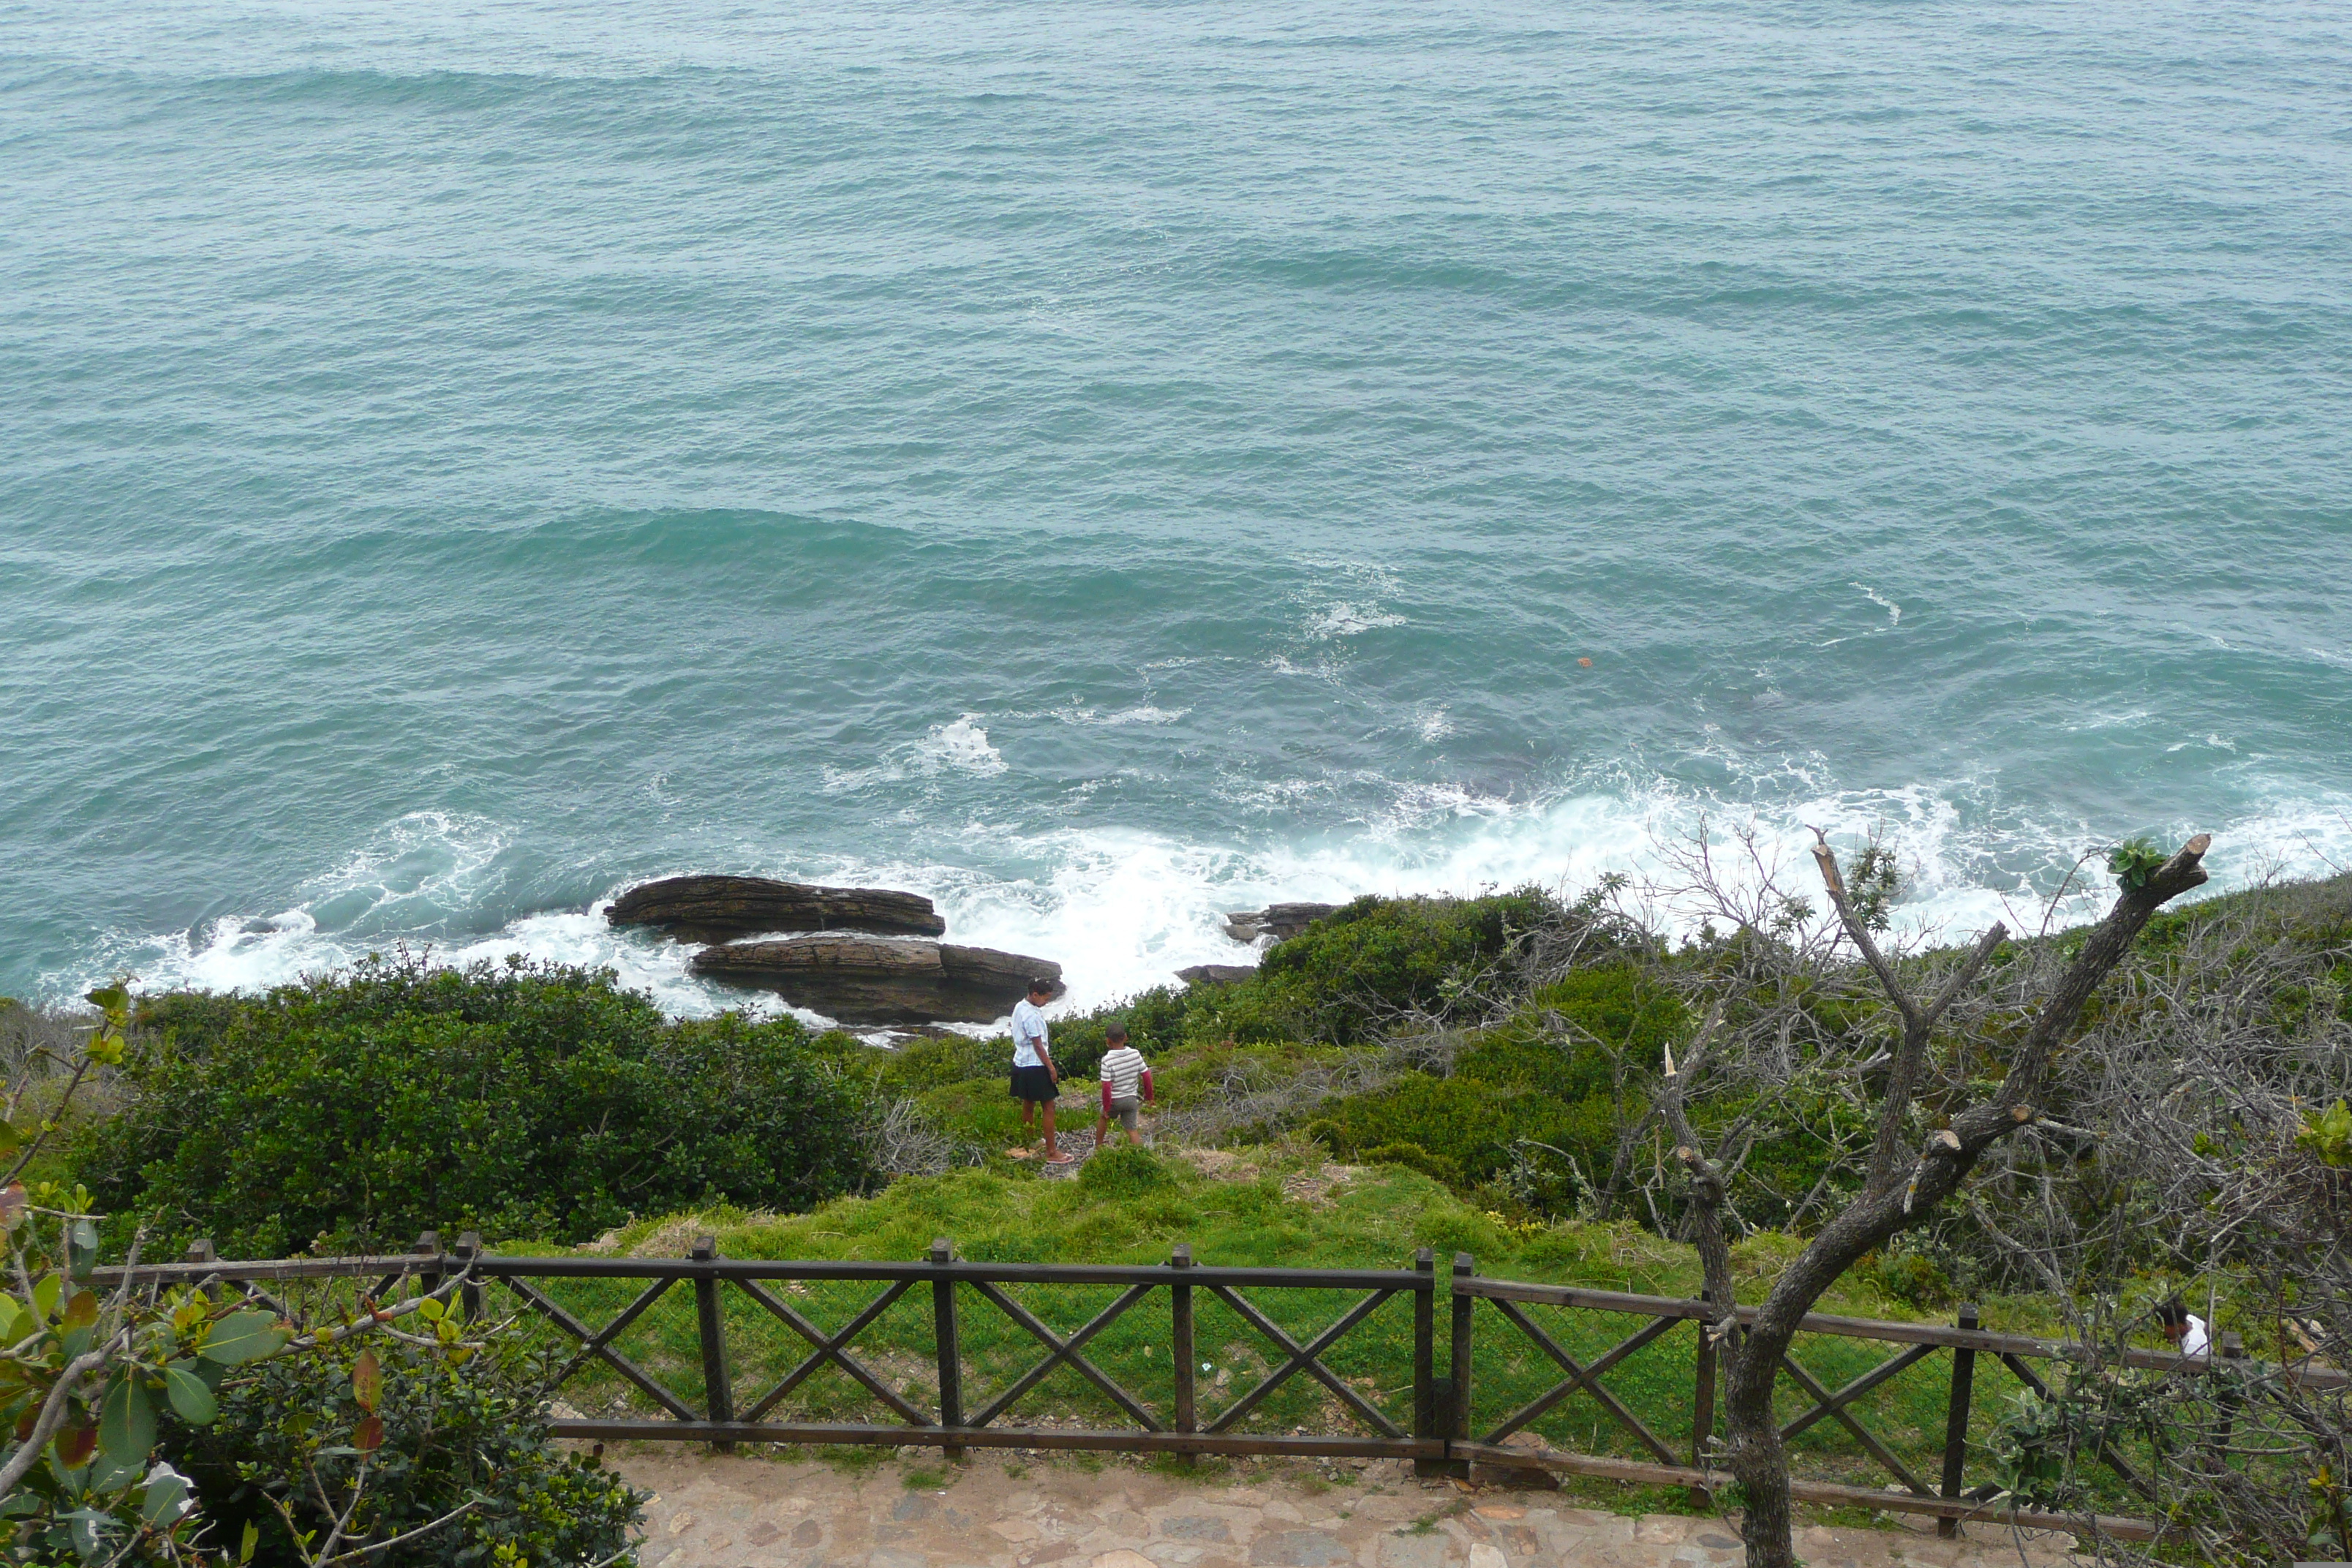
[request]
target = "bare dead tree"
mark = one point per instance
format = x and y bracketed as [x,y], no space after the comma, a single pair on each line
[2201,1157]
[1901,1185]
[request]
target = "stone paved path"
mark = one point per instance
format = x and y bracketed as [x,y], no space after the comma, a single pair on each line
[746,1513]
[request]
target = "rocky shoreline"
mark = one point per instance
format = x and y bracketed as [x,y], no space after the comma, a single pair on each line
[871,955]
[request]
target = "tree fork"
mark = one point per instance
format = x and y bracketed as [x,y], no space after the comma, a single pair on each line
[1895,1195]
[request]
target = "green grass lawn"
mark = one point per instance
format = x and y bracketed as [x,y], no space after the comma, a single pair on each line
[1268,1209]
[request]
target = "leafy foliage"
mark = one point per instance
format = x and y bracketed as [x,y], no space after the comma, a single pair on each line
[1338,981]
[1343,977]
[522,1101]
[99,1393]
[1540,1084]
[1873,880]
[416,1435]
[2328,1135]
[84,1375]
[2133,861]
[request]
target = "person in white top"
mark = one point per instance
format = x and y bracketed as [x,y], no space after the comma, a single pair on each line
[1123,1072]
[1035,1084]
[2189,1333]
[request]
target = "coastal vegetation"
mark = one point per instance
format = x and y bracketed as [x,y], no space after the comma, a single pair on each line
[1547,1083]
[154,1426]
[351,1112]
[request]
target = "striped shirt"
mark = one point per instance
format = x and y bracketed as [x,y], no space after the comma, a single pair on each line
[1122,1069]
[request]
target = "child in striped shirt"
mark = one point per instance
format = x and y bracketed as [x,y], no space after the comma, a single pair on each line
[1123,1072]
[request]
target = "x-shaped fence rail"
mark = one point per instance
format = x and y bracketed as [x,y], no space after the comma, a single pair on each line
[1438,1440]
[1179,1427]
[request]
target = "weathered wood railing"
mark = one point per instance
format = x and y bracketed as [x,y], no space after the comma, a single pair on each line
[1443,1430]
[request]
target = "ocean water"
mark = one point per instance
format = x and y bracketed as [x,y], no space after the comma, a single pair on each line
[1104,464]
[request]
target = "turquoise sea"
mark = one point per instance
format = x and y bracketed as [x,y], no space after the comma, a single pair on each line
[1105,463]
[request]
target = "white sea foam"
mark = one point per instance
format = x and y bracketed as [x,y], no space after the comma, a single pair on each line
[961,745]
[1894,611]
[1143,714]
[1346,619]
[1122,910]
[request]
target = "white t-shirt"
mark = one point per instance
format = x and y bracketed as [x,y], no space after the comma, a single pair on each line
[1028,1034]
[1123,1071]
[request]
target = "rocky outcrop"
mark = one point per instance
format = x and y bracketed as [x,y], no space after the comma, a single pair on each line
[720,908]
[867,980]
[1216,973]
[1280,922]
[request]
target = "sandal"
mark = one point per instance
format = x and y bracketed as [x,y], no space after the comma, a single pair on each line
[1063,1160]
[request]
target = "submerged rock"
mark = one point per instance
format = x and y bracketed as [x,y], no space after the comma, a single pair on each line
[1280,922]
[866,979]
[720,908]
[1216,973]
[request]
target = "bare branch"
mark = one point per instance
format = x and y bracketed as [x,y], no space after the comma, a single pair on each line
[1858,932]
[1708,1188]
[1903,1075]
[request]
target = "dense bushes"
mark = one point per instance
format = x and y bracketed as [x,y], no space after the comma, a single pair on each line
[520,1100]
[1539,1094]
[1338,981]
[452,1431]
[1344,975]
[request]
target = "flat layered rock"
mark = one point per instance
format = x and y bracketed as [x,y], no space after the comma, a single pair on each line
[865,979]
[1216,973]
[720,908]
[1280,922]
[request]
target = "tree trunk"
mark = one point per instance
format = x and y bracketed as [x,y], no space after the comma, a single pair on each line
[1759,1463]
[1759,1460]
[1892,1197]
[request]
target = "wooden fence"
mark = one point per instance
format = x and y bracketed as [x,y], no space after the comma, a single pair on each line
[1443,1429]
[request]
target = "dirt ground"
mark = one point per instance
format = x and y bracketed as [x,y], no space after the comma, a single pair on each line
[1002,1511]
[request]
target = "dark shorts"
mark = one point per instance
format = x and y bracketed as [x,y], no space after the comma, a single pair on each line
[1033,1083]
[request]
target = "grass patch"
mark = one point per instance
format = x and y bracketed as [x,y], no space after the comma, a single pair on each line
[852,1458]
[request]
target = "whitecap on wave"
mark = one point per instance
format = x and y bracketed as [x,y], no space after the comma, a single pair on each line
[1142,713]
[1347,619]
[959,746]
[1122,910]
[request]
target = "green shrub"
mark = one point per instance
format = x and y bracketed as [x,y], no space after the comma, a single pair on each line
[451,1432]
[1411,1157]
[1909,1276]
[1375,958]
[1124,1171]
[1528,1096]
[1337,982]
[520,1100]
[926,1064]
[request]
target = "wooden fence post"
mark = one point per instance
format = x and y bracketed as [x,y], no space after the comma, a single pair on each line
[428,1245]
[1457,1363]
[718,1389]
[1179,1327]
[2228,1347]
[950,1344]
[1702,1400]
[201,1251]
[469,1294]
[1955,1421]
[1426,1390]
